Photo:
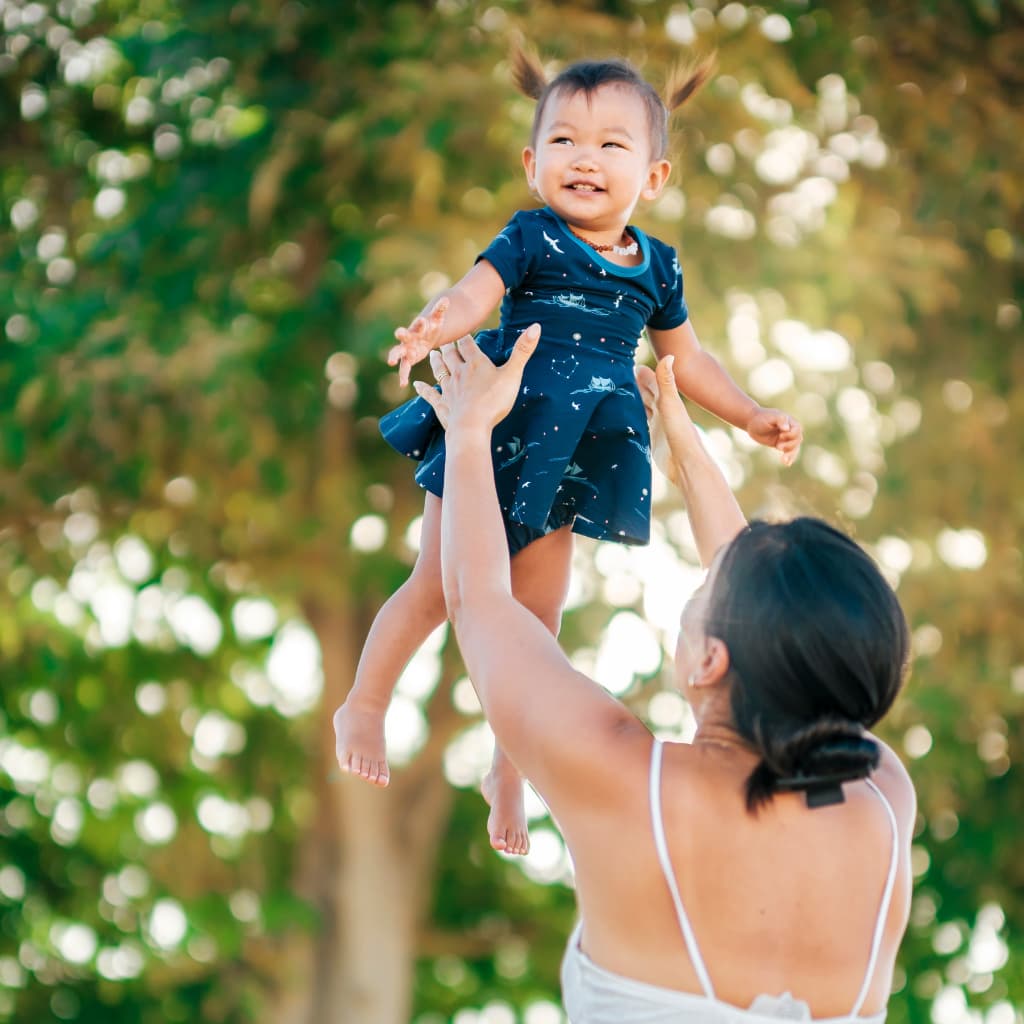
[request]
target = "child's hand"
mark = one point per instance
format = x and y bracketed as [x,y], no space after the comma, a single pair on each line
[776,429]
[417,340]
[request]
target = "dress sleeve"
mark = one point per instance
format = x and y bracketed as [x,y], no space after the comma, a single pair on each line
[510,252]
[672,312]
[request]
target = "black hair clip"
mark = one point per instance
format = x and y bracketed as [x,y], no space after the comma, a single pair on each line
[820,790]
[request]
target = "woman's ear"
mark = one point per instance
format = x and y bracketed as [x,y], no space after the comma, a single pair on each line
[714,663]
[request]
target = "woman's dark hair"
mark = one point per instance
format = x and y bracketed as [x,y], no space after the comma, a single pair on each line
[587,76]
[818,649]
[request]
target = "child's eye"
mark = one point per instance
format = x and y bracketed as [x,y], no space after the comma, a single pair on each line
[562,140]
[617,145]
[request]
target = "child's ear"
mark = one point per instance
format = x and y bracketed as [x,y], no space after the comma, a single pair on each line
[657,175]
[530,166]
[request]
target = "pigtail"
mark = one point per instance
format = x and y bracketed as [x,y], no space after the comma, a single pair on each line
[528,72]
[685,80]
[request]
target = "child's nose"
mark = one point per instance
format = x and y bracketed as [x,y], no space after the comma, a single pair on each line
[584,158]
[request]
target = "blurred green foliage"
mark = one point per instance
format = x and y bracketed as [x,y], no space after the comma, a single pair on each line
[213,216]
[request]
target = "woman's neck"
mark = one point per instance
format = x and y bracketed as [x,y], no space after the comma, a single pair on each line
[718,734]
[715,728]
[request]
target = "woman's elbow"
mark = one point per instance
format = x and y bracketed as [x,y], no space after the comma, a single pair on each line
[454,604]
[457,599]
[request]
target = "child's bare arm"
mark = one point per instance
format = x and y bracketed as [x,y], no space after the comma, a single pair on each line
[703,379]
[458,311]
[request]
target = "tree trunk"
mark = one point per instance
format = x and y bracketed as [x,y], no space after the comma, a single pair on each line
[367,865]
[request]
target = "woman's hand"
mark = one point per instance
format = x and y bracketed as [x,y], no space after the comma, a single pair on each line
[476,394]
[673,434]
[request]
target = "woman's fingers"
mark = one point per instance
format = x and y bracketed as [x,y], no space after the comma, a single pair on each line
[460,351]
[663,370]
[434,399]
[670,405]
[526,345]
[674,417]
[647,385]
[438,366]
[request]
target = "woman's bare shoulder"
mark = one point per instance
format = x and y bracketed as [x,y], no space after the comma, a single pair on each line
[893,779]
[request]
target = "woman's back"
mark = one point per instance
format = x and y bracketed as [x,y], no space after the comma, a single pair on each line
[784,901]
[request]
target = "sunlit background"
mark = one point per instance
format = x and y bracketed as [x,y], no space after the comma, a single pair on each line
[212,216]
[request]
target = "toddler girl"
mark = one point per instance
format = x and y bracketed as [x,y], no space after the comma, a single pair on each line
[573,456]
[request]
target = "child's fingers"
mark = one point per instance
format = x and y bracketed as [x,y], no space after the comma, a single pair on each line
[788,448]
[403,371]
[409,334]
[394,354]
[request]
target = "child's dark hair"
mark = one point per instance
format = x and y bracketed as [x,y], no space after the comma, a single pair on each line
[587,76]
[818,648]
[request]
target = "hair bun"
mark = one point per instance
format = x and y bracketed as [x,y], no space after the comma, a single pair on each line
[815,759]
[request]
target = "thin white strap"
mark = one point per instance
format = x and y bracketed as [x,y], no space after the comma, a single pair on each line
[666,866]
[883,910]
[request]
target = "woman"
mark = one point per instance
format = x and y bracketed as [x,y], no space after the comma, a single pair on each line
[758,872]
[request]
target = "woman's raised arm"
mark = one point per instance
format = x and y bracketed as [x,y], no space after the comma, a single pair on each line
[715,515]
[559,727]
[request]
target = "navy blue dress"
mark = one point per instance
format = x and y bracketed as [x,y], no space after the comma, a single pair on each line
[575,448]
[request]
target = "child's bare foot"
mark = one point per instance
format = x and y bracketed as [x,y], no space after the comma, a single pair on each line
[359,743]
[506,824]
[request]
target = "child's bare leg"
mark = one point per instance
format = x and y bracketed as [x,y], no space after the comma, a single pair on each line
[405,620]
[540,582]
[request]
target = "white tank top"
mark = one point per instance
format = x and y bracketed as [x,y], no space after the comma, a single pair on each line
[594,995]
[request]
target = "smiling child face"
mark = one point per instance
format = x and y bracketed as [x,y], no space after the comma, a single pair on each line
[592,161]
